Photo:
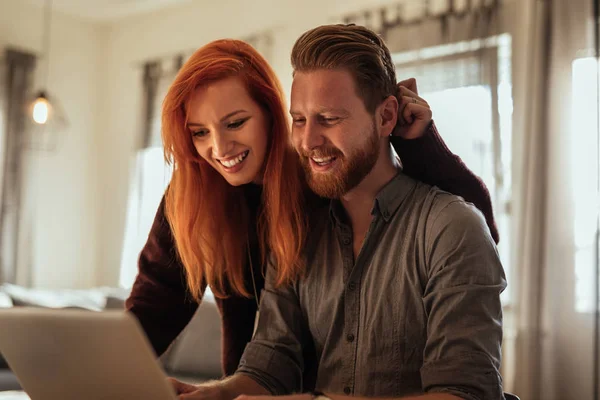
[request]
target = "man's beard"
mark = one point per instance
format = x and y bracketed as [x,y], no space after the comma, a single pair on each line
[350,171]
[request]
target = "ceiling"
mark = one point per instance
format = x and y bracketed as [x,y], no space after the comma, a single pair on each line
[107,10]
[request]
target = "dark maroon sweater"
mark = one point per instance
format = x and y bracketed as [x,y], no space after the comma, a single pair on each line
[160,299]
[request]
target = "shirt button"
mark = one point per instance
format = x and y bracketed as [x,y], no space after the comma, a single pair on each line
[351,286]
[347,390]
[346,241]
[350,337]
[386,214]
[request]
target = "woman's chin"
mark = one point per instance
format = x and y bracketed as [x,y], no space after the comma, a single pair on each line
[238,180]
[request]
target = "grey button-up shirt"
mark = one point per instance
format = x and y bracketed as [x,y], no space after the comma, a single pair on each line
[418,310]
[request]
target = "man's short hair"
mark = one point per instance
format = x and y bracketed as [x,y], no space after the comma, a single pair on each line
[354,48]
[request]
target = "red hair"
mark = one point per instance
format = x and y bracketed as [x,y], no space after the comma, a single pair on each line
[209,218]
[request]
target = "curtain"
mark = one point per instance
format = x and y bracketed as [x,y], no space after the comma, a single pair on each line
[564,116]
[15,86]
[523,358]
[152,77]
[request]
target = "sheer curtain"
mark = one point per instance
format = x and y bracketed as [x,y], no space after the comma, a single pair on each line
[566,114]
[530,202]
[15,86]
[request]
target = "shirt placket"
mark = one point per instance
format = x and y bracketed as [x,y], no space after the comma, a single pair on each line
[352,282]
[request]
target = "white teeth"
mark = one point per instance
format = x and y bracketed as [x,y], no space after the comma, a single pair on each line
[322,160]
[235,161]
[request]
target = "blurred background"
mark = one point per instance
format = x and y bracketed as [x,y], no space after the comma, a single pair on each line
[513,85]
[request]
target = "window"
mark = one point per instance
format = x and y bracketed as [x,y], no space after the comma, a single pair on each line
[468,86]
[151,175]
[584,177]
[148,185]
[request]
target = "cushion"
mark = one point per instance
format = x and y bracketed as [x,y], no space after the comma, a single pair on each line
[197,350]
[5,300]
[92,299]
[8,381]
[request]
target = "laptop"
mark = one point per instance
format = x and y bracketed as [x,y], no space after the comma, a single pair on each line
[64,354]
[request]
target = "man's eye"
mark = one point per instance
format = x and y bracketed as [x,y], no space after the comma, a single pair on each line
[331,119]
[237,124]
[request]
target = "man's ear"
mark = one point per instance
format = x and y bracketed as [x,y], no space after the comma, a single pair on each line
[387,113]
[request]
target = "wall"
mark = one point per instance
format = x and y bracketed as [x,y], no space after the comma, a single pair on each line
[134,40]
[60,211]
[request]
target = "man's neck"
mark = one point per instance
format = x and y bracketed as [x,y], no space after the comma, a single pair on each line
[359,201]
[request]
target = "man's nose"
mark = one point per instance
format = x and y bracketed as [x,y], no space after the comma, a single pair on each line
[312,136]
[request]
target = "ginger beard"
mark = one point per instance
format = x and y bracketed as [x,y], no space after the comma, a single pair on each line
[349,171]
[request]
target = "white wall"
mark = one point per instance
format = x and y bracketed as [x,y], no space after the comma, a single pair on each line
[60,212]
[134,40]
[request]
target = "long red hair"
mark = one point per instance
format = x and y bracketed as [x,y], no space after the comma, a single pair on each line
[209,218]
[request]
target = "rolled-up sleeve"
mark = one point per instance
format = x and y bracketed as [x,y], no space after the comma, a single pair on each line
[462,301]
[274,356]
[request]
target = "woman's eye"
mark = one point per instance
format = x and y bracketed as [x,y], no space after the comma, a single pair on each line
[237,124]
[200,133]
[298,120]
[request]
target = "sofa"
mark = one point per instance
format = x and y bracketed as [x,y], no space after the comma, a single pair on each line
[7,379]
[193,357]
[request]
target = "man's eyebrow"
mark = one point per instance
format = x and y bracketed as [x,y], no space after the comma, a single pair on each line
[324,110]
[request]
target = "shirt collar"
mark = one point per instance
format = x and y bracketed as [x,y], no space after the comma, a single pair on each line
[391,196]
[387,201]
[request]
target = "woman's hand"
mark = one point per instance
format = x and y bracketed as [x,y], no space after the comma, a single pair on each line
[414,114]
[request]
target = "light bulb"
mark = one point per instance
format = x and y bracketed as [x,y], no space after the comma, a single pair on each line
[41,110]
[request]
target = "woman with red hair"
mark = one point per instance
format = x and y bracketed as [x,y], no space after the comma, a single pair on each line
[238,193]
